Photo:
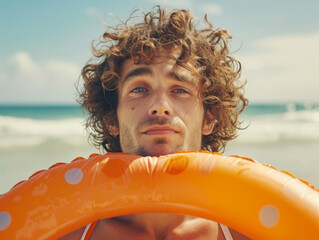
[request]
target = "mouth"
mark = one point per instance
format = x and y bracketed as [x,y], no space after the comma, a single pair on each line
[160,130]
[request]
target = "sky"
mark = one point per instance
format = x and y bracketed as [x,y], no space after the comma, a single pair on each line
[44,44]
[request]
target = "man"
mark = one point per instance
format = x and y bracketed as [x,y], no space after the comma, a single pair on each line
[162,86]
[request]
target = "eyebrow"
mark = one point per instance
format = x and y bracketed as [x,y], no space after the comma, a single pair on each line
[148,71]
[179,77]
[137,72]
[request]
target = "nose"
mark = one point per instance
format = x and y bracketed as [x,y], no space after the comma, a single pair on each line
[161,106]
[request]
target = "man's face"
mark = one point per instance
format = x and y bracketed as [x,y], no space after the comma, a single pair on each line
[159,111]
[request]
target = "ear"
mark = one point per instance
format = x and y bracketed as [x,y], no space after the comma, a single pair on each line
[111,124]
[208,123]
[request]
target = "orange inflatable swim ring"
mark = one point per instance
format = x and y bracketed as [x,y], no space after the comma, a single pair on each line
[255,199]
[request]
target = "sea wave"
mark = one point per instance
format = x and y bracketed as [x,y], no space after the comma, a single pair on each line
[289,126]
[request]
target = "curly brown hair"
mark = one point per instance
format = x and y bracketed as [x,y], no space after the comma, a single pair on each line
[207,50]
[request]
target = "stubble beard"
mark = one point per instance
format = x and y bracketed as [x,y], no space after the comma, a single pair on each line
[130,145]
[144,151]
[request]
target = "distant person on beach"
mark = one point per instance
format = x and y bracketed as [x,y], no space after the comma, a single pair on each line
[161,86]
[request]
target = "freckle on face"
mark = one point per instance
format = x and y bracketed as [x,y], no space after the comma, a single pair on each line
[132,108]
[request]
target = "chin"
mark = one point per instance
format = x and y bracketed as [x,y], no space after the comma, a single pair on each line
[162,150]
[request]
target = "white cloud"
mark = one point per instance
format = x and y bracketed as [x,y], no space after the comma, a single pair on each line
[212,8]
[24,80]
[283,68]
[22,62]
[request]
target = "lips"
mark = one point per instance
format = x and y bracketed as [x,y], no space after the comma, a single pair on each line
[160,130]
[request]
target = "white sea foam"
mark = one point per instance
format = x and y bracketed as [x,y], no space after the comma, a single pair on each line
[289,126]
[32,132]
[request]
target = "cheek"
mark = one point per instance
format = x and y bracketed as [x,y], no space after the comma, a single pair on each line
[129,112]
[197,114]
[194,108]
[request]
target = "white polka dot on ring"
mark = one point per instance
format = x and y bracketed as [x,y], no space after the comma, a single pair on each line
[269,216]
[5,220]
[73,176]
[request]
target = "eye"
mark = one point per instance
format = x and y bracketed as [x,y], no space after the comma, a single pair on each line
[139,90]
[180,90]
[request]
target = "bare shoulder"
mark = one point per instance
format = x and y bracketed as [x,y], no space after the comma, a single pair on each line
[199,228]
[73,235]
[238,235]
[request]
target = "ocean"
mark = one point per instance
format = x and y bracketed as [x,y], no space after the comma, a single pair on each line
[35,137]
